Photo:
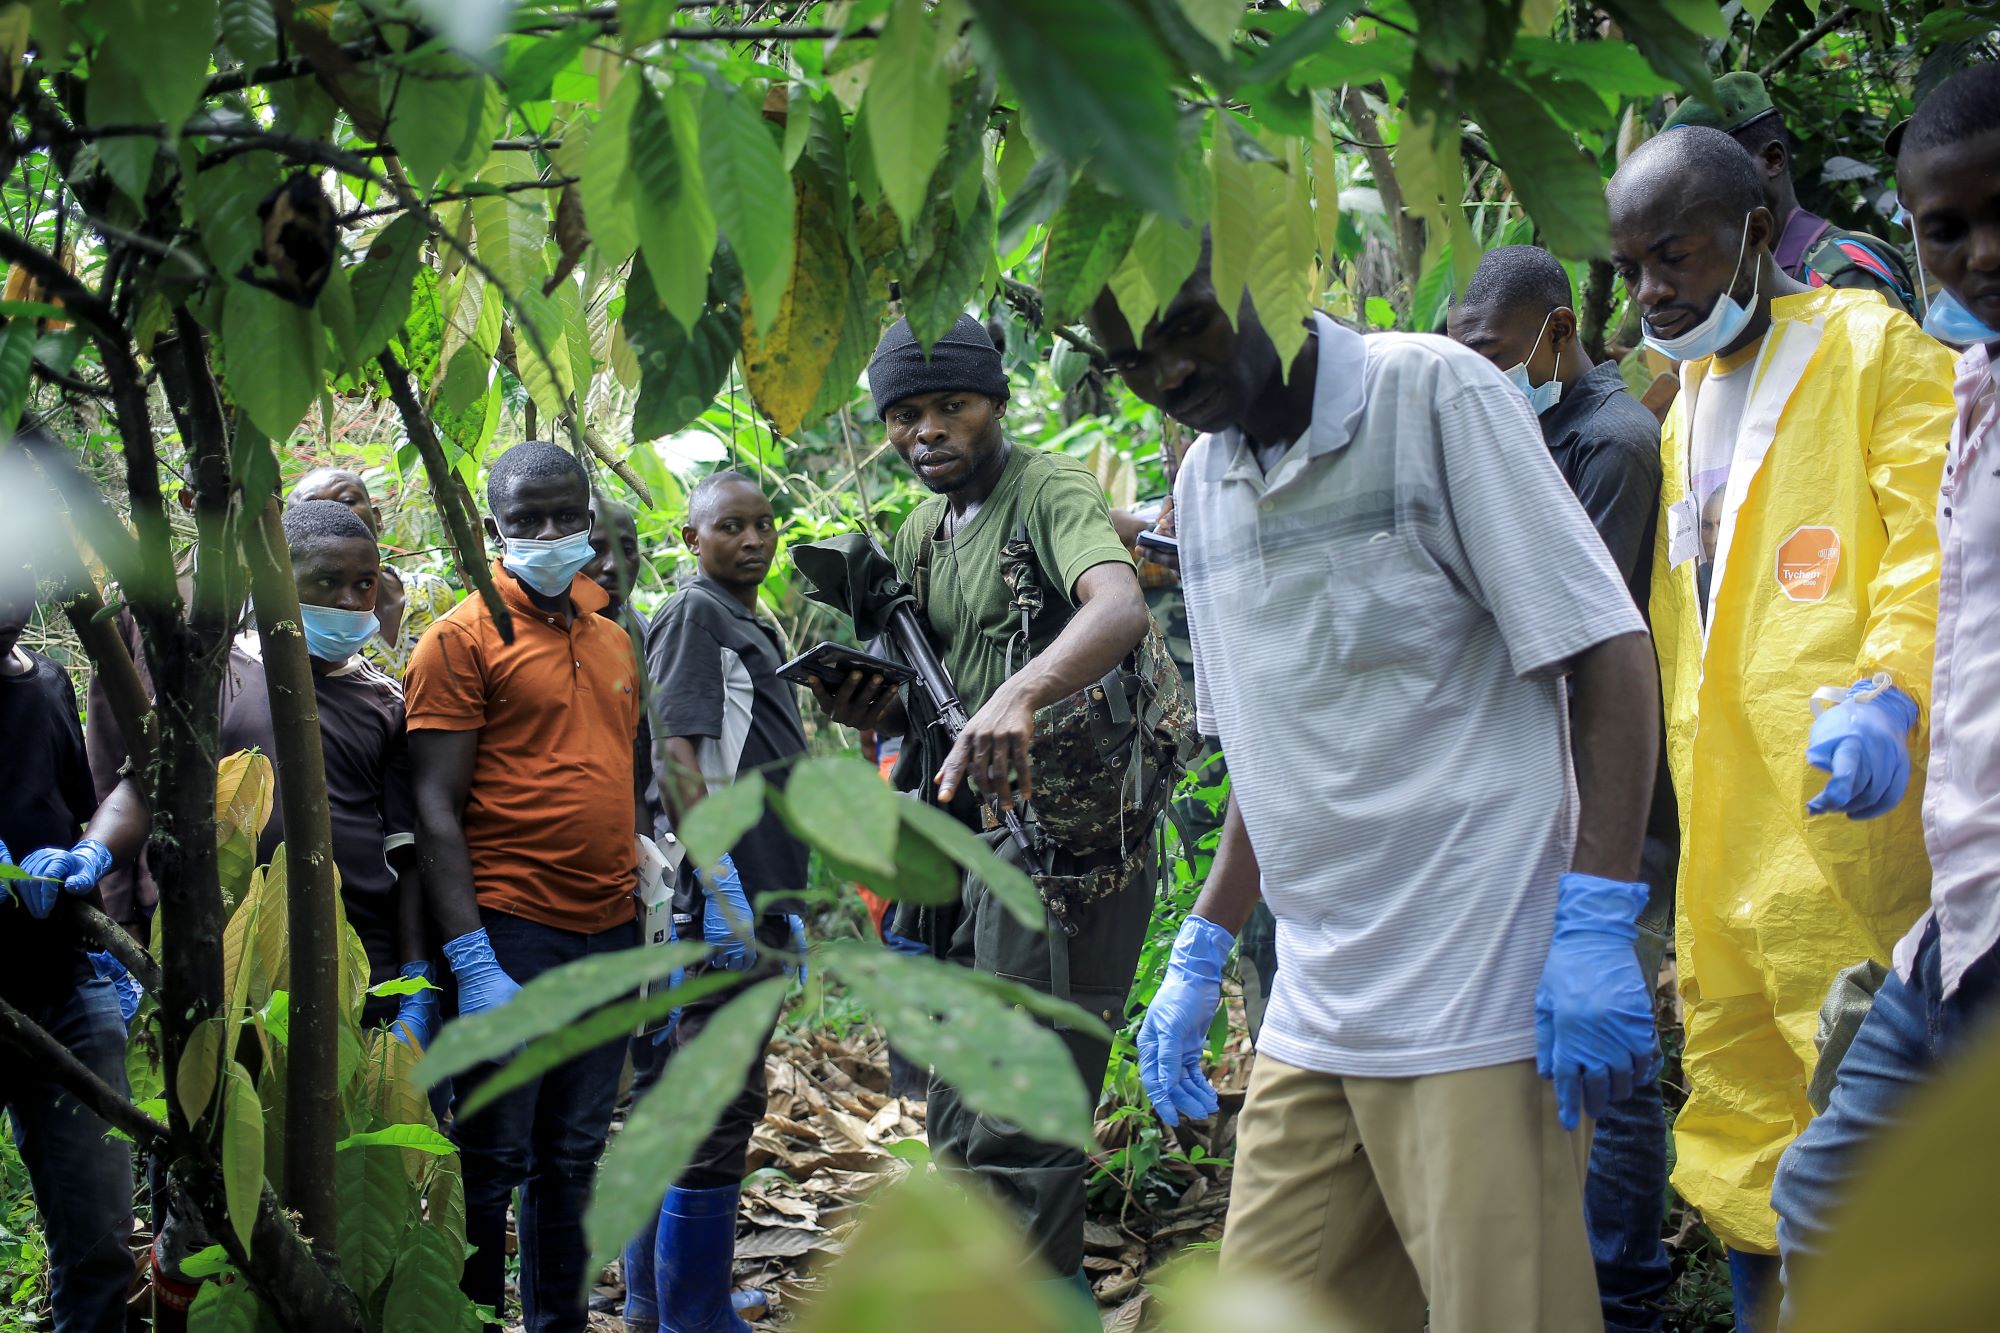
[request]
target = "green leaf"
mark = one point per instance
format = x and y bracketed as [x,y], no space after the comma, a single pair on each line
[222,202]
[676,227]
[541,353]
[226,1308]
[398,986]
[169,48]
[1137,302]
[209,1261]
[749,189]
[17,357]
[548,1003]
[923,874]
[1086,242]
[1318,30]
[254,469]
[438,117]
[786,352]
[606,184]
[532,63]
[335,308]
[423,1138]
[555,1049]
[1096,86]
[382,284]
[906,107]
[1040,194]
[1559,185]
[251,29]
[834,805]
[668,1124]
[198,1069]
[423,1290]
[1214,19]
[1667,44]
[242,1151]
[1166,252]
[859,330]
[271,358]
[115,98]
[512,230]
[938,292]
[680,373]
[373,1203]
[1610,67]
[716,825]
[1009,883]
[1234,220]
[1000,1061]
[1281,261]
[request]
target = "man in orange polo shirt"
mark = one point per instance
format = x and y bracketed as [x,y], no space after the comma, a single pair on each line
[522,763]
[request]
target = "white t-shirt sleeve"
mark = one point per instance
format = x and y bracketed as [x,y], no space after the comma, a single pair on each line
[1540,568]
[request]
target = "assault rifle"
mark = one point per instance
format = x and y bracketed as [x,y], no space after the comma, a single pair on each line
[852,574]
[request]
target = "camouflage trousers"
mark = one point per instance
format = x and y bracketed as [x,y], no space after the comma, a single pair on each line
[1043,1183]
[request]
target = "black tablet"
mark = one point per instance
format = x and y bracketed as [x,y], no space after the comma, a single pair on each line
[832,663]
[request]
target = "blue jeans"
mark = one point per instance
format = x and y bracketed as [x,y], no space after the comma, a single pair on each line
[82,1177]
[1625,1193]
[1909,1030]
[543,1138]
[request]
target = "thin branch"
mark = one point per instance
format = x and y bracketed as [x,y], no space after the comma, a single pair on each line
[464,532]
[1808,39]
[1027,302]
[101,932]
[595,443]
[451,196]
[54,1059]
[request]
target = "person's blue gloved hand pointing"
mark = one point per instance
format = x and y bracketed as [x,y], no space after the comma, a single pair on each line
[482,983]
[1593,1009]
[107,967]
[727,924]
[1177,1022]
[1864,742]
[75,871]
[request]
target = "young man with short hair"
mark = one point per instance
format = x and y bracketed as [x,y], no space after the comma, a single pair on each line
[1796,572]
[522,759]
[407,602]
[80,1174]
[1517,313]
[945,412]
[1387,582]
[335,565]
[1946,979]
[722,713]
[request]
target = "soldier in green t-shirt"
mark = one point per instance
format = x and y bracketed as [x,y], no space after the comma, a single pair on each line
[944,413]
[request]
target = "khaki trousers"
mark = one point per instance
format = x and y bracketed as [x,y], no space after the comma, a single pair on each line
[1459,1194]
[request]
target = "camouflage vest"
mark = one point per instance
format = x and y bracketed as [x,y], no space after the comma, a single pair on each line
[1107,757]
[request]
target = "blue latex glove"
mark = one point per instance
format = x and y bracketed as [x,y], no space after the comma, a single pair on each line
[1177,1022]
[1864,742]
[108,968]
[75,871]
[798,946]
[674,980]
[727,923]
[482,985]
[417,1017]
[1593,1009]
[904,945]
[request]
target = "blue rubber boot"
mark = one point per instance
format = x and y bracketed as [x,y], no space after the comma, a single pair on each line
[692,1261]
[642,1310]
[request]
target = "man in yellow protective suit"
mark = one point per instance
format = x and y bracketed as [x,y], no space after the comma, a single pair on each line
[1797,567]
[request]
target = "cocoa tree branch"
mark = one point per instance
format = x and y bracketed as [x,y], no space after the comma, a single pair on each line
[1409,231]
[1808,39]
[464,532]
[592,441]
[101,932]
[312,1074]
[54,1059]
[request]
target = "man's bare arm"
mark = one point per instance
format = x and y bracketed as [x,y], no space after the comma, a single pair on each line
[1617,720]
[1234,881]
[441,777]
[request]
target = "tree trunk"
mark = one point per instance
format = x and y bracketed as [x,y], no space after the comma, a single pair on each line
[1596,308]
[312,1066]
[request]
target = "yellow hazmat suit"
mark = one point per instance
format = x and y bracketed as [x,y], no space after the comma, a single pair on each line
[1826,568]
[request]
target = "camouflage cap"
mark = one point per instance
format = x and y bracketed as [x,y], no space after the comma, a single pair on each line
[1740,98]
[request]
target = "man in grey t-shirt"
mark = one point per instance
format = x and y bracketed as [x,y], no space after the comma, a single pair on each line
[1387,584]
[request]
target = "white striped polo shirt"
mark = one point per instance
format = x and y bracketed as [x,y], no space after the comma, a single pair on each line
[1379,628]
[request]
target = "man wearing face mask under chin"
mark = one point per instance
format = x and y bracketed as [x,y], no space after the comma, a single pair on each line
[1798,638]
[522,754]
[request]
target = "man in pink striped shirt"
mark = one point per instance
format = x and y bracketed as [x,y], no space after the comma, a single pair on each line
[1947,974]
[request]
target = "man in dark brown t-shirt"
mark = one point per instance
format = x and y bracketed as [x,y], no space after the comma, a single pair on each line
[522,760]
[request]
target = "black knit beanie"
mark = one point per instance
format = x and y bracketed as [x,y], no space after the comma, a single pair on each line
[965,358]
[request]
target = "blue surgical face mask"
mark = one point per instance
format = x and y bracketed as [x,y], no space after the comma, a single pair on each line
[1946,318]
[1541,397]
[334,635]
[1723,324]
[548,567]
[1949,321]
